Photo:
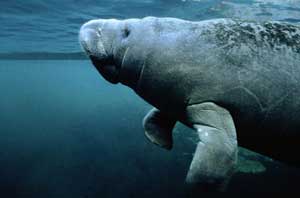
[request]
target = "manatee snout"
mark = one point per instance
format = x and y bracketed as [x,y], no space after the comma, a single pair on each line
[96,39]
[90,38]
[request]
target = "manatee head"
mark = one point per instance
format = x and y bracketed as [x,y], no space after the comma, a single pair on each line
[156,57]
[114,47]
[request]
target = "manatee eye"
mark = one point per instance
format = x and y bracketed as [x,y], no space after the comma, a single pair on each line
[126,32]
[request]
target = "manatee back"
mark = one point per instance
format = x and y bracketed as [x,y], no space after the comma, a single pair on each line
[264,60]
[239,64]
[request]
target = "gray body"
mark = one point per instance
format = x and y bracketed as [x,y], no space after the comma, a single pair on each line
[252,70]
[241,79]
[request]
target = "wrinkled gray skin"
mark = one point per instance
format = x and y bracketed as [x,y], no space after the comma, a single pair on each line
[231,81]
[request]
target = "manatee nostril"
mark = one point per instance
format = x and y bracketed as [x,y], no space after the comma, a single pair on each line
[126,32]
[99,32]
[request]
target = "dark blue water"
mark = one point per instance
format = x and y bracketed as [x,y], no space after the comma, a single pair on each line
[65,132]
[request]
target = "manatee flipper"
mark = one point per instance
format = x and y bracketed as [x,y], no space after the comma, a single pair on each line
[158,128]
[215,157]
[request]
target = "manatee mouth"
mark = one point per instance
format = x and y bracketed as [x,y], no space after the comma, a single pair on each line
[107,68]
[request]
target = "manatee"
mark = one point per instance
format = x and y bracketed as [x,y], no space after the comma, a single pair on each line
[235,83]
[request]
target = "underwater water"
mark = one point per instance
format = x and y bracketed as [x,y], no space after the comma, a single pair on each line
[66,132]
